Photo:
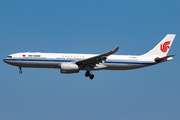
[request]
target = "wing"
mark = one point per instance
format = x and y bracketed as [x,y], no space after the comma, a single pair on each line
[96,59]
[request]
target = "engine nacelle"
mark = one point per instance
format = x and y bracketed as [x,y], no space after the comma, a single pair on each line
[69,68]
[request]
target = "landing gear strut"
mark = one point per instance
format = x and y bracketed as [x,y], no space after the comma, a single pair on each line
[88,74]
[20,71]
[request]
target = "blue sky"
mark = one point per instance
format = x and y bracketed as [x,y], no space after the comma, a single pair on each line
[81,26]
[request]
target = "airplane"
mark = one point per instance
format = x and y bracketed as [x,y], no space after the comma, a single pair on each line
[72,63]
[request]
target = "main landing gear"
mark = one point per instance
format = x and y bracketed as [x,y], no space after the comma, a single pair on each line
[20,71]
[88,74]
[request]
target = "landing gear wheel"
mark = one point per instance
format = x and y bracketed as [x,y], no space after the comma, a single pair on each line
[20,72]
[87,74]
[91,76]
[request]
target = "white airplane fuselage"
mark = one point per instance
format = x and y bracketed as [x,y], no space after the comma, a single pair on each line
[54,60]
[73,63]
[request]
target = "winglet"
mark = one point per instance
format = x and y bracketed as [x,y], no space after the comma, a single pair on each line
[116,49]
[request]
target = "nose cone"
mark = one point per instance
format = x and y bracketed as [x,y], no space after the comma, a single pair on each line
[5,60]
[8,61]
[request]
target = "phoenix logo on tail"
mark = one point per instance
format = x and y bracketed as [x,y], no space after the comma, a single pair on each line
[165,47]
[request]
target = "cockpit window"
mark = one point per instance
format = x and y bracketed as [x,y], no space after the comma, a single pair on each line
[9,56]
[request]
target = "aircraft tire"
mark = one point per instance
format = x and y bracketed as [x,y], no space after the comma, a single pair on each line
[91,76]
[87,74]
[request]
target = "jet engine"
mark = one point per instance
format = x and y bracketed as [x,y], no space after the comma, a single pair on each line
[69,68]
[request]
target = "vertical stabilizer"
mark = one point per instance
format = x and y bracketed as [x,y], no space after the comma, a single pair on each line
[162,48]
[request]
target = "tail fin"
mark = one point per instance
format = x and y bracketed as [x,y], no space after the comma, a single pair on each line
[162,48]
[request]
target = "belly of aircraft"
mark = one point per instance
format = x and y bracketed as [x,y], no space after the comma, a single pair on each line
[56,64]
[34,64]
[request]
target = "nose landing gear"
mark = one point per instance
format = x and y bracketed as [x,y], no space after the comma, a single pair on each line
[20,71]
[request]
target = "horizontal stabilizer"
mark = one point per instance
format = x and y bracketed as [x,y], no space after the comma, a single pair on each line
[163,59]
